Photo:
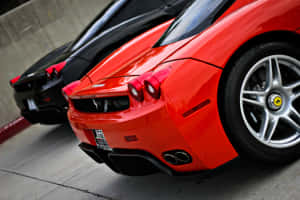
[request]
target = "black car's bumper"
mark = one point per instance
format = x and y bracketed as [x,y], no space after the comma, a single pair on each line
[49,101]
[50,115]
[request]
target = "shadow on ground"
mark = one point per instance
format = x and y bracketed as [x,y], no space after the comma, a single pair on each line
[239,179]
[51,153]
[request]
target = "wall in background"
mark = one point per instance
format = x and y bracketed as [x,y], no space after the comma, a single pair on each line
[6,6]
[32,30]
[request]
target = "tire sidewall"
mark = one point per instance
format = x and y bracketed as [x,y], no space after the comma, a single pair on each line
[244,142]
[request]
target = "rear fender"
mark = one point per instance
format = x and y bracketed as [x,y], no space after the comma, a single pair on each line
[218,43]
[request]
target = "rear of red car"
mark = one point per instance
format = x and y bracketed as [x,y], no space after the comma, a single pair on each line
[138,130]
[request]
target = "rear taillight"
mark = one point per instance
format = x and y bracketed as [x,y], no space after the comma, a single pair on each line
[68,90]
[153,83]
[135,88]
[152,86]
[54,70]
[14,80]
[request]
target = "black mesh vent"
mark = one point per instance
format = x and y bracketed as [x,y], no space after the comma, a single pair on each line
[102,105]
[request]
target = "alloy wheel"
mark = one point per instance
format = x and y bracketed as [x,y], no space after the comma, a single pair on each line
[270,103]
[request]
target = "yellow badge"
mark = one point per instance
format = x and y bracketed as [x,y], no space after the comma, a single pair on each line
[278,101]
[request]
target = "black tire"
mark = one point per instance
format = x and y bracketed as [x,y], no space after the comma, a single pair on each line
[229,103]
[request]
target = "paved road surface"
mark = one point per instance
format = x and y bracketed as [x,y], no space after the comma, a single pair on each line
[44,163]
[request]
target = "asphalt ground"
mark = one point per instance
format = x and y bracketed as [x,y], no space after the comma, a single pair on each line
[44,162]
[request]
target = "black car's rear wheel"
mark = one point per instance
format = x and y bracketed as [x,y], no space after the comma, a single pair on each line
[261,102]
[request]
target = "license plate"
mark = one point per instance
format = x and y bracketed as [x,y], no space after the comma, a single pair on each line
[101,141]
[32,105]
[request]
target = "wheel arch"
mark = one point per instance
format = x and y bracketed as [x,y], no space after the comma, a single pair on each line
[290,37]
[272,36]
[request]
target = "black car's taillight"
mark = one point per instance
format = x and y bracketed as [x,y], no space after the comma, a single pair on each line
[14,80]
[54,70]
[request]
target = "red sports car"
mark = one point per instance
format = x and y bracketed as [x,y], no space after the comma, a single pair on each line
[222,81]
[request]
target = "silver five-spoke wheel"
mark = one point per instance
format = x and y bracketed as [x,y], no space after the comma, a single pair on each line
[269,101]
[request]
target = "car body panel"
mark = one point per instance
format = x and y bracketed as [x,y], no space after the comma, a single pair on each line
[111,39]
[134,67]
[127,53]
[192,105]
[103,19]
[57,54]
[252,20]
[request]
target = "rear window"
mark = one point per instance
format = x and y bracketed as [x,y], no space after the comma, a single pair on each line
[194,19]
[97,25]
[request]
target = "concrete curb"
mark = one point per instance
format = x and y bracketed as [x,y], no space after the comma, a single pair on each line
[13,128]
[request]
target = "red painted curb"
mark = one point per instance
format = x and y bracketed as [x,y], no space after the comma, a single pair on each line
[13,128]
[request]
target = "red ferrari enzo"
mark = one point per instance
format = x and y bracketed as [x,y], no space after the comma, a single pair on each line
[222,81]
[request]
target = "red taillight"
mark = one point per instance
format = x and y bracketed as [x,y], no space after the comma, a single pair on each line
[14,80]
[135,88]
[152,86]
[54,70]
[68,90]
[153,83]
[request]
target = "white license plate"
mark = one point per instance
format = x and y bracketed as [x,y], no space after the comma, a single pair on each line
[32,105]
[101,141]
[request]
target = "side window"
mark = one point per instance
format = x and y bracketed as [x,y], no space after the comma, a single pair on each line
[98,24]
[194,19]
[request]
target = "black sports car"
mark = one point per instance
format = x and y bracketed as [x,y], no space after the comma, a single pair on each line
[38,90]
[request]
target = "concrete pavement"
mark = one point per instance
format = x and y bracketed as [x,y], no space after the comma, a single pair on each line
[44,162]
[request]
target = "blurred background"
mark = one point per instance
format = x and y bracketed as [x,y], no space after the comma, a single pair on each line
[9,5]
[29,29]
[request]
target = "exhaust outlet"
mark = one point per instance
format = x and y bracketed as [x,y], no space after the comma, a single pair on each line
[177,157]
[171,159]
[183,156]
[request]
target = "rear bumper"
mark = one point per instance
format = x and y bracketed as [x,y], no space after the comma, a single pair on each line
[127,162]
[155,134]
[49,112]
[48,115]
